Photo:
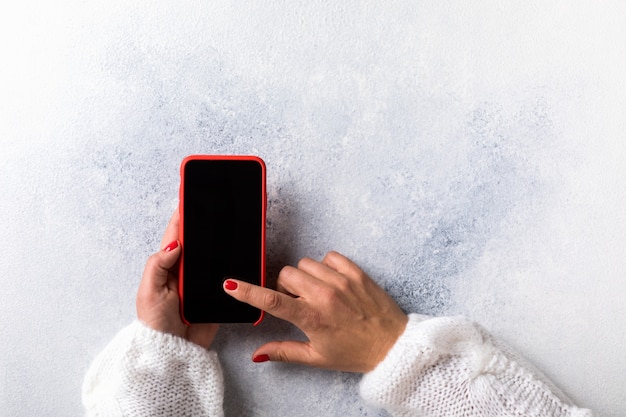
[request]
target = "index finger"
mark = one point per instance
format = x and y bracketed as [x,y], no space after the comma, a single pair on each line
[275,303]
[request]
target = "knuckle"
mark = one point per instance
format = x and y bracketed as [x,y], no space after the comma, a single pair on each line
[342,285]
[330,295]
[281,356]
[333,299]
[361,278]
[152,262]
[272,301]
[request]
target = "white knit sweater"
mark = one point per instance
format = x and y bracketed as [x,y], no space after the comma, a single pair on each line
[143,372]
[445,366]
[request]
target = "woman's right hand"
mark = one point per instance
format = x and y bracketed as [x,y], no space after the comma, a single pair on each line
[351,322]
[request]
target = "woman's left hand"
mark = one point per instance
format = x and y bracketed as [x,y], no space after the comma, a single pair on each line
[157,297]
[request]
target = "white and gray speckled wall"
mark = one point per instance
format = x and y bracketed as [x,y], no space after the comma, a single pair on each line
[471,157]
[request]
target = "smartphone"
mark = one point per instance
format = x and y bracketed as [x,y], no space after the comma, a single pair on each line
[222,232]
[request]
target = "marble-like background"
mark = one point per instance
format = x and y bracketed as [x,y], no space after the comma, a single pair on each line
[469,155]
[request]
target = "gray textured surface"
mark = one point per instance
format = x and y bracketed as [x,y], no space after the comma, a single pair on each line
[470,158]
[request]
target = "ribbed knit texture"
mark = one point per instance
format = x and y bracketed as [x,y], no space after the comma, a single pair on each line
[143,372]
[451,367]
[445,366]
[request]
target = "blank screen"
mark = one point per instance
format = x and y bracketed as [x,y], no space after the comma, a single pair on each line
[223,232]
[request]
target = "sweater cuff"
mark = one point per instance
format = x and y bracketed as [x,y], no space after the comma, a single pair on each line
[146,372]
[394,375]
[394,382]
[449,365]
[170,346]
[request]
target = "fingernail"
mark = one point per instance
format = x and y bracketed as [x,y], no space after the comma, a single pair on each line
[171,246]
[261,358]
[230,285]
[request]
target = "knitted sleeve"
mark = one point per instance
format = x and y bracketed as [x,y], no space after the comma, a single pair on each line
[450,366]
[143,372]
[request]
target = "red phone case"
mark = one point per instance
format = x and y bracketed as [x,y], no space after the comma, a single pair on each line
[182,219]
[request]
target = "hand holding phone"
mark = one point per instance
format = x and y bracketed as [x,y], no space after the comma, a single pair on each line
[222,231]
[158,304]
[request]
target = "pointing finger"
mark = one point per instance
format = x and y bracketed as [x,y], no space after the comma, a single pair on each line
[275,303]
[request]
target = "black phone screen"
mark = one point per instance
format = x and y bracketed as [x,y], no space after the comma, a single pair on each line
[223,223]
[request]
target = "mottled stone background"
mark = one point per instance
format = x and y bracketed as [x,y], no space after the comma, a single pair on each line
[469,155]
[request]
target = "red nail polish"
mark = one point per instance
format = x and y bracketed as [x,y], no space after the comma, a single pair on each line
[261,358]
[171,246]
[230,285]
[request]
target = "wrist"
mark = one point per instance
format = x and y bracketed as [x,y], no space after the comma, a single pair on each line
[164,325]
[386,341]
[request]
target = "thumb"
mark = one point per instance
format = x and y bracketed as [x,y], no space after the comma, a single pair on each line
[159,264]
[169,255]
[289,351]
